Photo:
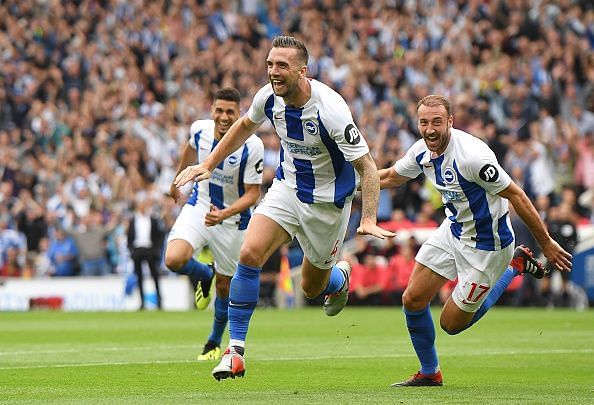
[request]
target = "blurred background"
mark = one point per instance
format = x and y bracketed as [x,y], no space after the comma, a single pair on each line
[96,100]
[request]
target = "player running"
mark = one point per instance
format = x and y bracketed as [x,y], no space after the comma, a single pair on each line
[322,156]
[475,243]
[217,211]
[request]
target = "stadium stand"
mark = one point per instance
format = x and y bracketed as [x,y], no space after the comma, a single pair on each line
[97,96]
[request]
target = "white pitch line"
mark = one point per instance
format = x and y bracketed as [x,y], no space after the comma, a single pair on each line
[304,358]
[97,349]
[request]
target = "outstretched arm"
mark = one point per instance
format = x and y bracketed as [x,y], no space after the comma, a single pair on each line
[390,178]
[188,156]
[367,170]
[235,137]
[526,211]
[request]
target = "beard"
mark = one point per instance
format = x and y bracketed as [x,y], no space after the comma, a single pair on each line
[437,141]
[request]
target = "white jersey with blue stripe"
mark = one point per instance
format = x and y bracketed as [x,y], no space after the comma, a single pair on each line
[227,180]
[468,177]
[318,142]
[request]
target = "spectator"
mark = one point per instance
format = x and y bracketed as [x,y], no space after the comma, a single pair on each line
[398,272]
[93,94]
[145,242]
[366,282]
[562,227]
[269,280]
[11,266]
[90,237]
[63,254]
[41,263]
[397,222]
[13,248]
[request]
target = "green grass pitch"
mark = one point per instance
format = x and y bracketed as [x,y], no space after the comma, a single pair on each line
[297,356]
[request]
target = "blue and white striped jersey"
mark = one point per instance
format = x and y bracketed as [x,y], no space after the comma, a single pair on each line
[468,177]
[318,142]
[226,183]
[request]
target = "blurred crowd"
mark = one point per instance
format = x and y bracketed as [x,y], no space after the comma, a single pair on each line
[97,96]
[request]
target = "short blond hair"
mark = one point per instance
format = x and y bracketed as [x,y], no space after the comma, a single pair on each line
[434,100]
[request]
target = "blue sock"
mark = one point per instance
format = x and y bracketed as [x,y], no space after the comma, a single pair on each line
[422,334]
[243,297]
[335,282]
[195,270]
[498,289]
[221,307]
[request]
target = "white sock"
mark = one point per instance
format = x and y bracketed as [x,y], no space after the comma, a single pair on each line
[235,342]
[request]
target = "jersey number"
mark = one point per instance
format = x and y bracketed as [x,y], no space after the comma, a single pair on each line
[483,289]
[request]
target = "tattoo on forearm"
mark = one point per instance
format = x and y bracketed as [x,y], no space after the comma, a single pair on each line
[369,186]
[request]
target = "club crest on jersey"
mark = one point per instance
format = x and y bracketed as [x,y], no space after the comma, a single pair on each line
[232,160]
[311,127]
[449,176]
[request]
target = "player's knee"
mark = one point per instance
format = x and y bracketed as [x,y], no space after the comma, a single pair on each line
[250,256]
[413,302]
[450,330]
[311,290]
[173,262]
[222,286]
[453,326]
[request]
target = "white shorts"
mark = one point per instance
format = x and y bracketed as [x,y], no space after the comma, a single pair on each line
[477,270]
[224,240]
[319,227]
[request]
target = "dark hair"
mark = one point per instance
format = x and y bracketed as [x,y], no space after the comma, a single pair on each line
[433,100]
[228,93]
[291,42]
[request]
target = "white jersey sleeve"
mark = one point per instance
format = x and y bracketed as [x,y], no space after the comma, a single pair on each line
[255,161]
[482,168]
[196,128]
[409,165]
[256,112]
[341,127]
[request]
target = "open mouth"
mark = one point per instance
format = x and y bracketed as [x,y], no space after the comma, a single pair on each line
[224,125]
[277,84]
[432,140]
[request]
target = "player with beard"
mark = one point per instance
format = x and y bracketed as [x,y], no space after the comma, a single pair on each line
[323,156]
[475,244]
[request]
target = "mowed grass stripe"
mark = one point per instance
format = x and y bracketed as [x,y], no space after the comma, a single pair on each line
[299,356]
[306,358]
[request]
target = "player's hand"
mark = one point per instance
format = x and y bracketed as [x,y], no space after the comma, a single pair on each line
[191,173]
[370,228]
[558,256]
[214,217]
[175,193]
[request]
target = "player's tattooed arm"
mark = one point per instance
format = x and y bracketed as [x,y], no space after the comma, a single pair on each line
[370,182]
[367,170]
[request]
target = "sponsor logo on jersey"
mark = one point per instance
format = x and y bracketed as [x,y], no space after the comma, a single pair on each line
[352,134]
[218,177]
[450,196]
[311,127]
[489,173]
[259,166]
[298,149]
